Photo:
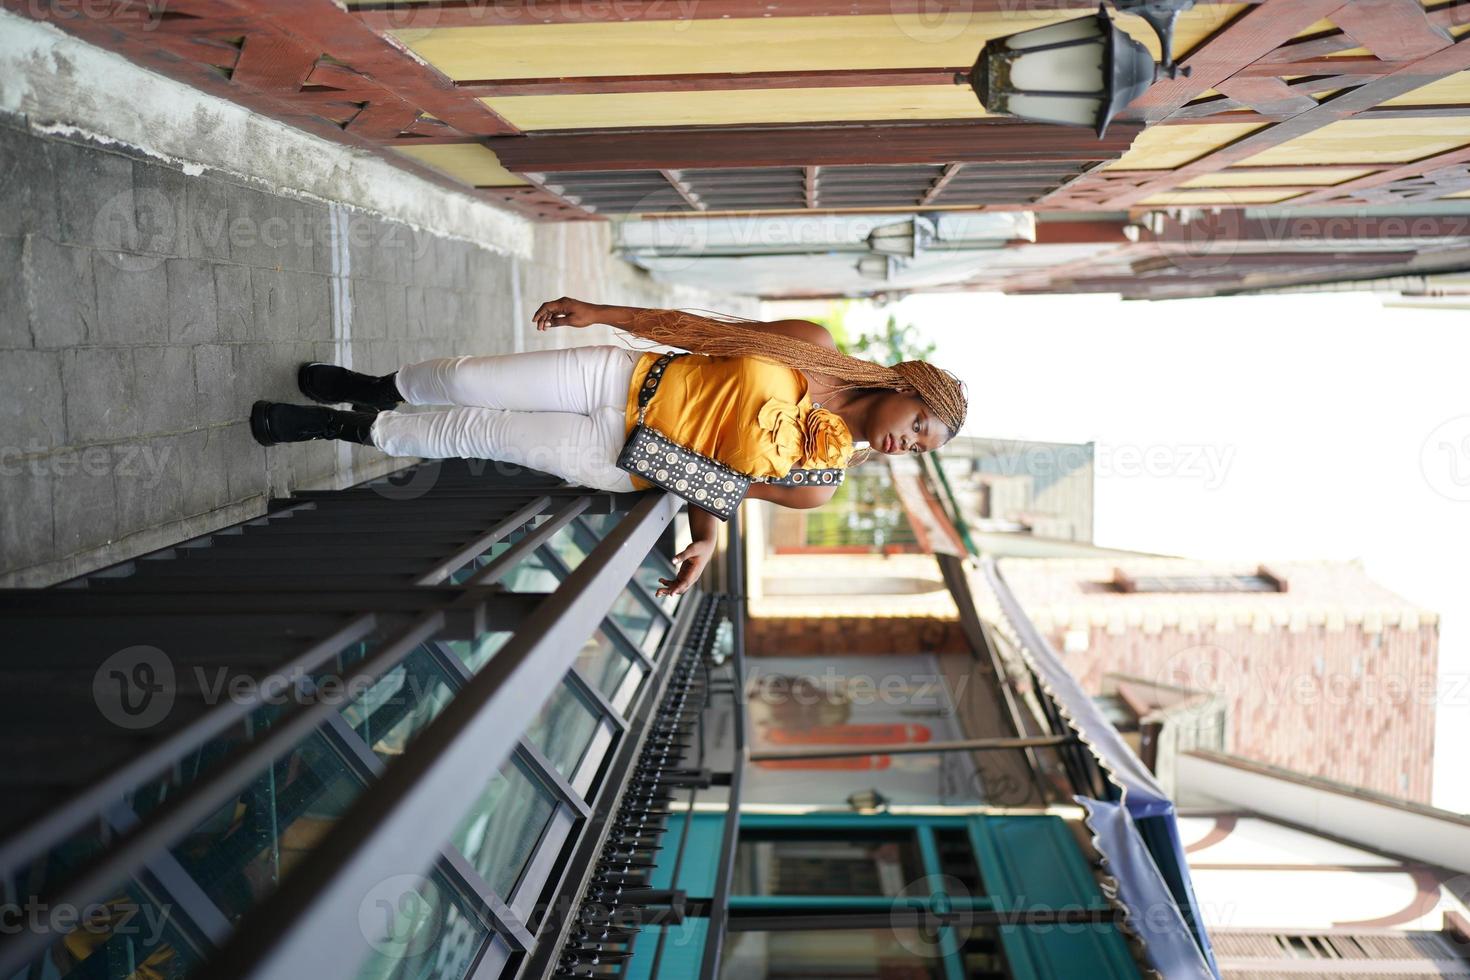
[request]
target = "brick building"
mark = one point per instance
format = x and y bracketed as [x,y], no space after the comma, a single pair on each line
[1323,671]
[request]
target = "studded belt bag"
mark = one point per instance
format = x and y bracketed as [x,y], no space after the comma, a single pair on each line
[706,483]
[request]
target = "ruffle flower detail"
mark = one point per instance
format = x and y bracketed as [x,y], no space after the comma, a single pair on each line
[781,421]
[826,442]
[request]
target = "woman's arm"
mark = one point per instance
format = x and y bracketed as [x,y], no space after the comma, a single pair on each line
[576,313]
[802,498]
[704,528]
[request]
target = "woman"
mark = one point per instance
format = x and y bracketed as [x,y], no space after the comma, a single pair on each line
[763,398]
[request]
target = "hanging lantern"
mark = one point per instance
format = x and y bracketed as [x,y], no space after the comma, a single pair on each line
[1079,73]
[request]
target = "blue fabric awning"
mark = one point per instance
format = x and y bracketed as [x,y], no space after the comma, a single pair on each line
[1139,834]
[1150,908]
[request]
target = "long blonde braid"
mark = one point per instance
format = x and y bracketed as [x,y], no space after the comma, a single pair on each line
[936,387]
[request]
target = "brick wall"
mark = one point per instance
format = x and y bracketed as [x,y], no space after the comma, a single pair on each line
[810,637]
[1348,705]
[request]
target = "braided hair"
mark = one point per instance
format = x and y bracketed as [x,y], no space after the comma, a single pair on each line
[937,388]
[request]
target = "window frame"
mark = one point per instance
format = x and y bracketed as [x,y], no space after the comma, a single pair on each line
[989,838]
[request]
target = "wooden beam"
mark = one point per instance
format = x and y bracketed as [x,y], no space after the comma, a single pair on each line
[950,172]
[1268,96]
[332,31]
[708,81]
[273,63]
[536,203]
[1352,64]
[1449,13]
[676,180]
[1083,232]
[1410,76]
[1280,168]
[1176,265]
[503,13]
[1395,30]
[873,143]
[1248,38]
[161,41]
[1384,177]
[1227,230]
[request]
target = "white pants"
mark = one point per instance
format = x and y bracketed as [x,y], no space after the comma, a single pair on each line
[558,411]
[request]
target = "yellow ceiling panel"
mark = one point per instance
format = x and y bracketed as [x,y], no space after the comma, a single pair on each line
[1451,90]
[1321,27]
[1224,198]
[1323,178]
[532,112]
[1167,147]
[1369,141]
[468,162]
[751,44]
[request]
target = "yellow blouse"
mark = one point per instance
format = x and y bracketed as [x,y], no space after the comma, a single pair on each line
[752,415]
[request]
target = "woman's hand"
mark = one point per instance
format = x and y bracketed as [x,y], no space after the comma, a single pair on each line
[566,312]
[690,562]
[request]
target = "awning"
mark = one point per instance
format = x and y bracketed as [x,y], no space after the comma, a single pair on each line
[1149,907]
[1139,834]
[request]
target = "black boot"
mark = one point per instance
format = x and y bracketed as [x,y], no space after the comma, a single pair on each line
[330,384]
[273,422]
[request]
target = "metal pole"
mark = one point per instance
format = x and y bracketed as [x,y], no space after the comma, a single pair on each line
[919,748]
[714,937]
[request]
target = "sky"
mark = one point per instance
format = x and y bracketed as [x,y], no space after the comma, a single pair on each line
[1323,426]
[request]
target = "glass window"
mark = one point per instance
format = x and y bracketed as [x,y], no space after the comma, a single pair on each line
[571,544]
[603,664]
[240,853]
[500,832]
[129,934]
[201,761]
[476,653]
[957,859]
[643,626]
[600,524]
[530,575]
[982,953]
[1123,582]
[653,568]
[648,575]
[563,729]
[400,704]
[430,936]
[790,861]
[822,954]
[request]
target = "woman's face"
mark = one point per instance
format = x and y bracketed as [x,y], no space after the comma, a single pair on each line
[901,423]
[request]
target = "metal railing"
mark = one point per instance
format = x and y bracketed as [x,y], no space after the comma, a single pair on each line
[348,590]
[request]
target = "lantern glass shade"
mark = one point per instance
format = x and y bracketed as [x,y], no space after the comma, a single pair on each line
[875,266]
[1079,72]
[894,239]
[902,238]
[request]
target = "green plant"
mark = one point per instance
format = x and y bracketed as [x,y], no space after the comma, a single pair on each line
[893,344]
